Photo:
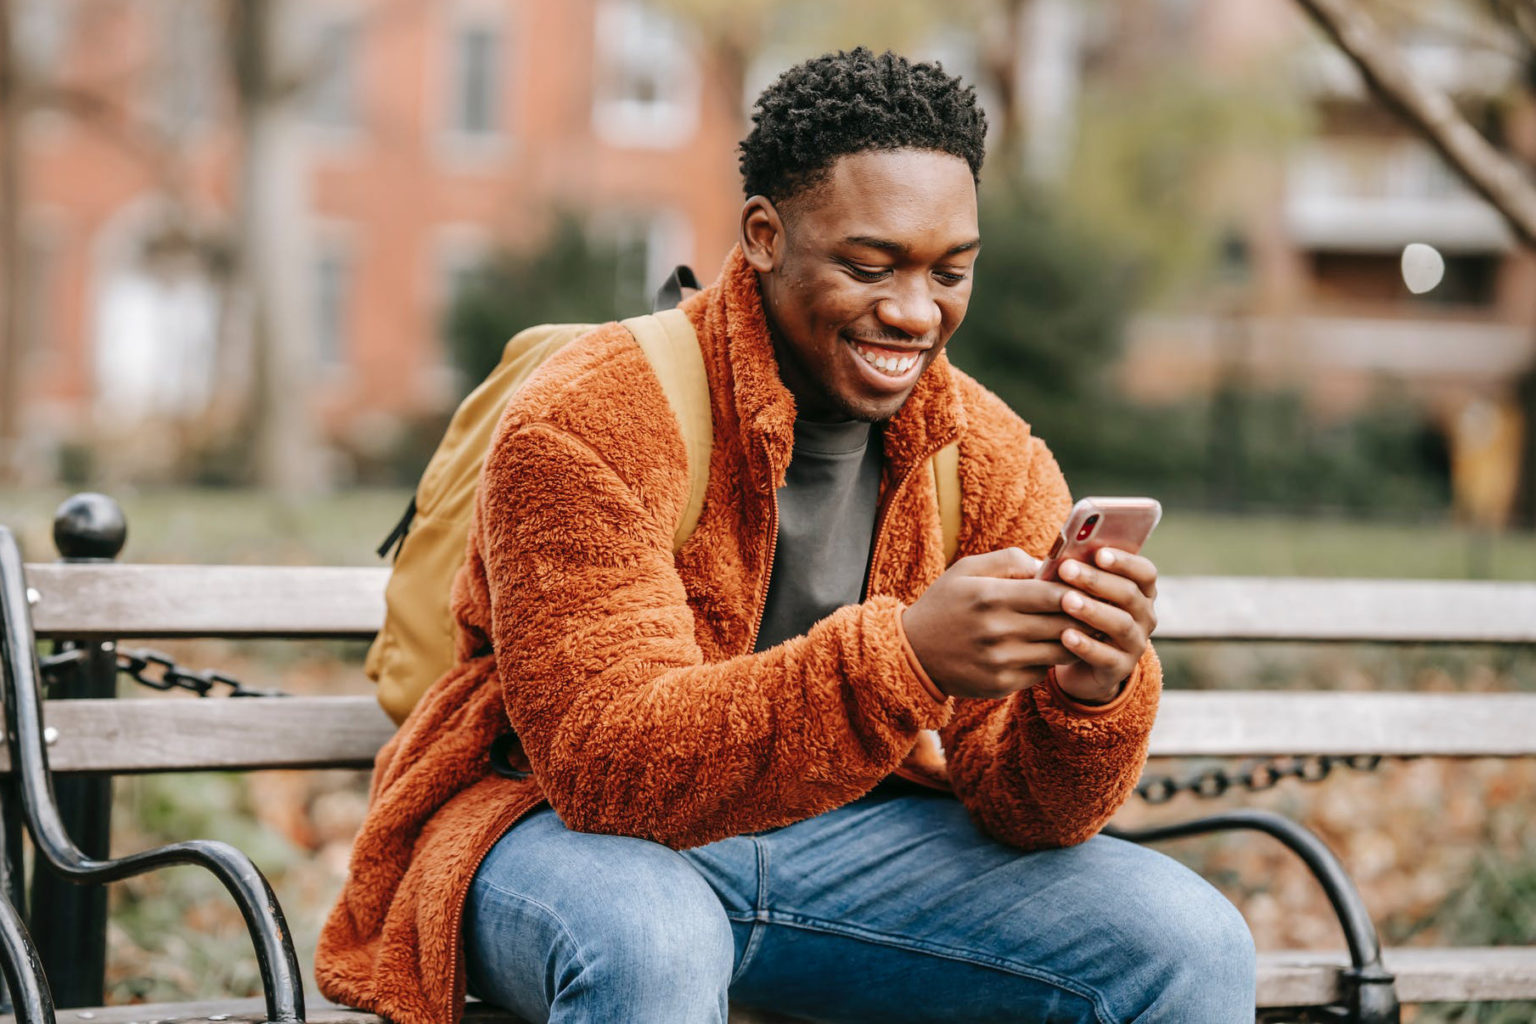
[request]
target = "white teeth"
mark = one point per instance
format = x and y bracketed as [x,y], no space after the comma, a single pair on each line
[887,364]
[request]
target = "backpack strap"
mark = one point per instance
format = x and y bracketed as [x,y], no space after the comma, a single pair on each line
[668,341]
[670,294]
[946,481]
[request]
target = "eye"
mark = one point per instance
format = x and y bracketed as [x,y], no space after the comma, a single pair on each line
[950,277]
[864,273]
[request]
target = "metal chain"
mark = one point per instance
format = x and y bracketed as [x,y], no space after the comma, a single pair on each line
[159,672]
[154,670]
[1255,776]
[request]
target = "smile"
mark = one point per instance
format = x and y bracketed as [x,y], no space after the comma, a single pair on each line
[887,363]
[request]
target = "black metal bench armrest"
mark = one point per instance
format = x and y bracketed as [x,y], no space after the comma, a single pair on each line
[27,989]
[279,965]
[1370,992]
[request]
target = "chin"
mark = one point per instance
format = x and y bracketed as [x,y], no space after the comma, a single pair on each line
[871,412]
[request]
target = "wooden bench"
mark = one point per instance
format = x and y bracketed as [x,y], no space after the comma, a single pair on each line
[99,604]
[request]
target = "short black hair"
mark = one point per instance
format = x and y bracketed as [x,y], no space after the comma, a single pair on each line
[849,102]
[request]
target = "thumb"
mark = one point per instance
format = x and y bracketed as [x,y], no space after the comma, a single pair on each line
[1006,563]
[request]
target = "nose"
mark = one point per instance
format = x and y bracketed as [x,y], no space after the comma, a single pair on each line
[910,308]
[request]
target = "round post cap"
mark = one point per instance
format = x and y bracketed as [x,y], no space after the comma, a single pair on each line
[89,526]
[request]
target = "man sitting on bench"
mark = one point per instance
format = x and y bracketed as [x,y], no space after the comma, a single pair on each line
[801,764]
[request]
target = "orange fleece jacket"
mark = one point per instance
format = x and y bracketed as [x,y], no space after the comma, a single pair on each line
[627,672]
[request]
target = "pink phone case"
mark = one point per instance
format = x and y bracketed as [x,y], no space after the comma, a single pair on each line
[1095,523]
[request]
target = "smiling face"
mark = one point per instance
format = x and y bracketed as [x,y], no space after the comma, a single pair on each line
[864,277]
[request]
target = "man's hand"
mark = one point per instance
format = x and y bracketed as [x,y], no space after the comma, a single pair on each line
[988,628]
[1112,608]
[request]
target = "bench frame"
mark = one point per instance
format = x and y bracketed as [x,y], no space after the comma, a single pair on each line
[1366,990]
[30,785]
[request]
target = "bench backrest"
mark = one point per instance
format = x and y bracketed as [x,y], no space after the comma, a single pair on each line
[142,601]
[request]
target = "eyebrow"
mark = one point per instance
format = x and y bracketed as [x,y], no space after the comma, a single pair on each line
[897,249]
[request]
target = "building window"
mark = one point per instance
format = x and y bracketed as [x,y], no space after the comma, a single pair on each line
[333,94]
[648,82]
[646,247]
[188,77]
[476,110]
[333,293]
[42,30]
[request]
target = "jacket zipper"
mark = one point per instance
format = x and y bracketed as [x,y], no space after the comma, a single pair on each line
[773,548]
[900,770]
[885,508]
[455,998]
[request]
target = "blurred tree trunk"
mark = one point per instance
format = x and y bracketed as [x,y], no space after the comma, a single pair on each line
[11,252]
[1496,176]
[1503,179]
[272,246]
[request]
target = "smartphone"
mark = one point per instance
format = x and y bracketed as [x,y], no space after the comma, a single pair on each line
[1094,523]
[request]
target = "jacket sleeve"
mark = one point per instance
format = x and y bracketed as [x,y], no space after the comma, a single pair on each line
[627,728]
[1038,769]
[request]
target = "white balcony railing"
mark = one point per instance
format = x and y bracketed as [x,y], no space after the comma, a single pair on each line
[1381,195]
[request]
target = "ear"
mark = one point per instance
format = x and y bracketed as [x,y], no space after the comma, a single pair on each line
[762,234]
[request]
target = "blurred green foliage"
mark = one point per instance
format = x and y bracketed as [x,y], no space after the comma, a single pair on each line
[571,278]
[175,933]
[1496,907]
[1167,161]
[1044,331]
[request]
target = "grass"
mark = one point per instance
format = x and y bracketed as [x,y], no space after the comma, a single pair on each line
[1200,543]
[344,528]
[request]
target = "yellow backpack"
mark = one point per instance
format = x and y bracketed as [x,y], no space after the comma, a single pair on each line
[414,647]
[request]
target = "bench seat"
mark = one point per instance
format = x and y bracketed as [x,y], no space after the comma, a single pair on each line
[1285,979]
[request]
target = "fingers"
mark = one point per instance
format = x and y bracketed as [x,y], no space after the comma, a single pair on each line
[1106,620]
[1107,585]
[1006,563]
[1104,658]
[1022,666]
[1136,568]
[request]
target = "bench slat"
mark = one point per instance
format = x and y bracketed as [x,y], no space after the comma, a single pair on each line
[201,600]
[262,601]
[1408,611]
[1285,979]
[1423,975]
[1261,724]
[215,734]
[229,734]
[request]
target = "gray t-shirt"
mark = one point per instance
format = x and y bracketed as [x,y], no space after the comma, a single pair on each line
[827,510]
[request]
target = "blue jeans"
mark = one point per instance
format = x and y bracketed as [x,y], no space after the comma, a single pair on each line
[892,908]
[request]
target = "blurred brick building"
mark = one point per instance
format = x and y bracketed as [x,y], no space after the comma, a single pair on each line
[434,133]
[1313,296]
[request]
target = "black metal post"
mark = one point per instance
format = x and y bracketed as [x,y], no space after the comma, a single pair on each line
[69,920]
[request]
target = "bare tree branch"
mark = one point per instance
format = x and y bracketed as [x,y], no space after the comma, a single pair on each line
[1489,32]
[1500,179]
[1519,15]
